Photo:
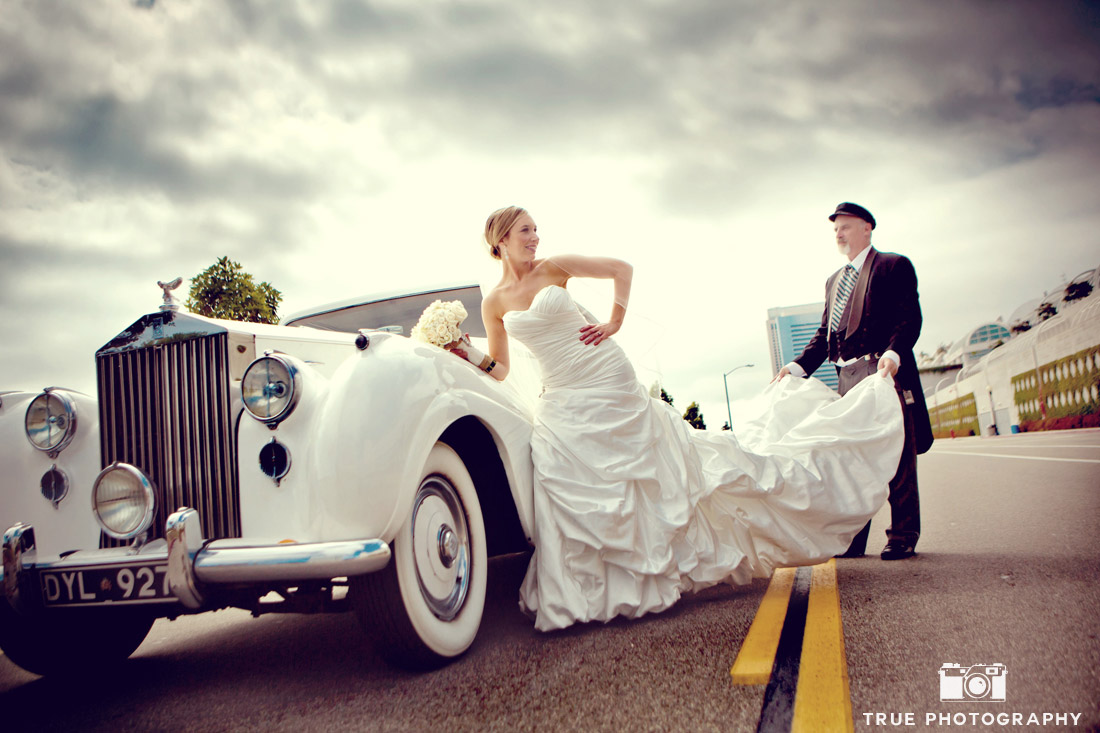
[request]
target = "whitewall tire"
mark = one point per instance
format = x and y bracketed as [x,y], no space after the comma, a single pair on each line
[424,609]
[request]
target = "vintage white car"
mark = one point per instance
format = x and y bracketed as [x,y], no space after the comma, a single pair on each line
[328,464]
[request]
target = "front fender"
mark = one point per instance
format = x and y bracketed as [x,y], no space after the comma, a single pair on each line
[359,440]
[68,524]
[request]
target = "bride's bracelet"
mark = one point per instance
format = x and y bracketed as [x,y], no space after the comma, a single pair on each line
[484,362]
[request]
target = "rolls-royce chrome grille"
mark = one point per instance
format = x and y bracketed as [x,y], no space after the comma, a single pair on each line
[166,408]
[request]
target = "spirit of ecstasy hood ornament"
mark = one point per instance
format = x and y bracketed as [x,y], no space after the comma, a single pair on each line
[171,302]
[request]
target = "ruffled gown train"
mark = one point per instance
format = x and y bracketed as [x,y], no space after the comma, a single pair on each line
[633,506]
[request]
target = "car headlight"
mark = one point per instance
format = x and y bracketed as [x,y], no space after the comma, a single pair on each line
[50,422]
[122,499]
[270,388]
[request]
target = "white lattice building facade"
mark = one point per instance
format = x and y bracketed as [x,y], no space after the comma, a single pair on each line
[1049,372]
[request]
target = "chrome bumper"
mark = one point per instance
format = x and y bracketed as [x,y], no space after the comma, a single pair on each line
[194,565]
[18,548]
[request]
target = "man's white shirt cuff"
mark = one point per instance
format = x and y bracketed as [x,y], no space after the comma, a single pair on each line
[796,369]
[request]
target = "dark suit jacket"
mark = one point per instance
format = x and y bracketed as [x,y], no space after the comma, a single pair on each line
[883,313]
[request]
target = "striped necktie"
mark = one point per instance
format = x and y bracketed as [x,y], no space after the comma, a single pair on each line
[843,292]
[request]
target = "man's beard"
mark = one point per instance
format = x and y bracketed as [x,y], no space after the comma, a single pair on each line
[844,249]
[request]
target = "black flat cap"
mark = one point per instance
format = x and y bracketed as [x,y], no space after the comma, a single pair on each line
[849,209]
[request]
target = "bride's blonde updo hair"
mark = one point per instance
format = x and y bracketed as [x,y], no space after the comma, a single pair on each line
[498,225]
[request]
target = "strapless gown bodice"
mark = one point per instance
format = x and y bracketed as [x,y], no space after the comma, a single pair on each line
[633,506]
[550,329]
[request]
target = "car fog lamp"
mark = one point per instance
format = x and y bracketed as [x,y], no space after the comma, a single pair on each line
[55,485]
[275,461]
[122,499]
[270,388]
[50,422]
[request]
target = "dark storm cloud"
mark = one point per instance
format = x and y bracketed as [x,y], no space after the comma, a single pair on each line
[699,27]
[36,272]
[707,90]
[933,65]
[67,114]
[960,81]
[351,21]
[100,139]
[536,90]
[780,85]
[1057,92]
[204,126]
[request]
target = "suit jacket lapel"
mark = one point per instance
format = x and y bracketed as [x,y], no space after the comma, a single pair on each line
[855,303]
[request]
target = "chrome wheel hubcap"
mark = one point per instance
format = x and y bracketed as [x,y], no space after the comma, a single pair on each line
[448,546]
[441,547]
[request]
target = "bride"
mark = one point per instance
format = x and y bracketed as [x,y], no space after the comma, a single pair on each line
[633,506]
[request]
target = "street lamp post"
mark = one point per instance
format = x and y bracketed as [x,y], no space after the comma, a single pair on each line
[729,413]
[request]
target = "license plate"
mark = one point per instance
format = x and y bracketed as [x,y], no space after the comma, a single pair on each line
[131,583]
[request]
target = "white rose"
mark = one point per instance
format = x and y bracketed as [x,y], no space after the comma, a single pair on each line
[439,324]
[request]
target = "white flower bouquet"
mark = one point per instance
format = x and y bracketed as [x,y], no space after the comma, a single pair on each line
[439,324]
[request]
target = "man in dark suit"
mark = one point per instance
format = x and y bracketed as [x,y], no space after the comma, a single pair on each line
[871,322]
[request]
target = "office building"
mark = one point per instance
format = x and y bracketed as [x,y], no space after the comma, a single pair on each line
[789,330]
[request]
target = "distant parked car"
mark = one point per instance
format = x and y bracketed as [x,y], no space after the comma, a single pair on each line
[328,464]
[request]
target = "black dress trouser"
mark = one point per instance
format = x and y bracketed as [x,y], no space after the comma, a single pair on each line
[904,499]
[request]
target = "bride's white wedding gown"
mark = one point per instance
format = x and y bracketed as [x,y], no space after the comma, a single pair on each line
[633,506]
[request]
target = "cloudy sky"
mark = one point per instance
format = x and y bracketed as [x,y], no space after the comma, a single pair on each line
[337,148]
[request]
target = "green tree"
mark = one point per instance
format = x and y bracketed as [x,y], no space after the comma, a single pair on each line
[225,290]
[1078,290]
[656,390]
[694,417]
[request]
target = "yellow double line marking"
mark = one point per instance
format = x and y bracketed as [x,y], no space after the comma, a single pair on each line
[795,646]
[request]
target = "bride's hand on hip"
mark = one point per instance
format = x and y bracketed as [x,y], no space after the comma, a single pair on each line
[595,333]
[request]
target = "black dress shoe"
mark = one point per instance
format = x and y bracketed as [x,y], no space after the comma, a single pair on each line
[897,550]
[853,552]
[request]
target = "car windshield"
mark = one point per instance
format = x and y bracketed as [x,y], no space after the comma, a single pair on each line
[396,313]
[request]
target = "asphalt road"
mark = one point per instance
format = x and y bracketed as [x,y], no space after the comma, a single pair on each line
[1006,574]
